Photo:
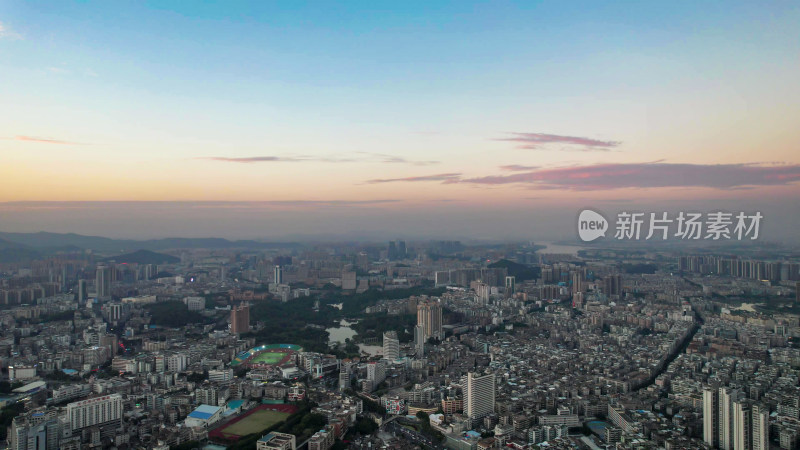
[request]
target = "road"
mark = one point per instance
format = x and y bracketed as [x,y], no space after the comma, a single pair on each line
[412,436]
[671,357]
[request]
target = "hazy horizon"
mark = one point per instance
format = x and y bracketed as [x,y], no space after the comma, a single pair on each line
[357,222]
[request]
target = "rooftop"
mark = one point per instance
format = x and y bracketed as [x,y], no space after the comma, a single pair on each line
[204,412]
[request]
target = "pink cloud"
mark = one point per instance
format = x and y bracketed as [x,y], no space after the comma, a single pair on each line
[43,141]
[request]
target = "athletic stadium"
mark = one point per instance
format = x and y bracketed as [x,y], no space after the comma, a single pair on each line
[269,355]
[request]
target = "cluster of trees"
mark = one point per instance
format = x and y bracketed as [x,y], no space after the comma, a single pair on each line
[426,428]
[7,415]
[365,426]
[282,319]
[58,375]
[521,272]
[284,324]
[195,377]
[173,314]
[57,317]
[375,325]
[191,445]
[6,387]
[639,268]
[356,303]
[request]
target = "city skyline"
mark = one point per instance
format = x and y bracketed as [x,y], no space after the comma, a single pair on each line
[264,121]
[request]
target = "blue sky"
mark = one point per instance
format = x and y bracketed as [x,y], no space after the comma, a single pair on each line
[313,101]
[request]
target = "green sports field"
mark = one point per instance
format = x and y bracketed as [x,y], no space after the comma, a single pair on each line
[268,358]
[255,422]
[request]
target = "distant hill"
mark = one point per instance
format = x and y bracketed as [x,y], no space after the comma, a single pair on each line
[144,257]
[44,240]
[521,272]
[12,252]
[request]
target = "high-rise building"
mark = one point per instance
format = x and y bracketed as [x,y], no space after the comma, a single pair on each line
[349,280]
[103,282]
[82,291]
[612,285]
[577,282]
[391,253]
[240,319]
[711,416]
[401,250]
[345,374]
[726,398]
[149,271]
[442,278]
[797,292]
[742,426]
[35,430]
[376,372]
[511,285]
[419,341]
[391,345]
[95,411]
[429,316]
[278,275]
[479,394]
[760,419]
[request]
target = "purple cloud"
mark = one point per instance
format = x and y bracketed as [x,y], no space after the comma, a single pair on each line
[361,157]
[517,168]
[444,177]
[250,159]
[649,175]
[536,141]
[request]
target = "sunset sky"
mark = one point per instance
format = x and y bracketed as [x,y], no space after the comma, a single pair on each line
[490,120]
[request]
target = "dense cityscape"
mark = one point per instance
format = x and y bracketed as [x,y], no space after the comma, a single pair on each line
[435,344]
[399,225]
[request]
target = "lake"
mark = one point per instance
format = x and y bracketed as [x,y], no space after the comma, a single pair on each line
[338,335]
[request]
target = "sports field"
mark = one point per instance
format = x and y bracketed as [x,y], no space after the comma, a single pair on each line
[254,422]
[268,358]
[266,355]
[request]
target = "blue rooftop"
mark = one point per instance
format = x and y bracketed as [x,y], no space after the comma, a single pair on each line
[267,437]
[233,404]
[204,412]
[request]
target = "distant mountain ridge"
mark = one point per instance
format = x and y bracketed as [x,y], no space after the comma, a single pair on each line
[12,252]
[46,241]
